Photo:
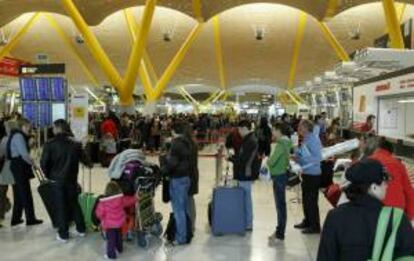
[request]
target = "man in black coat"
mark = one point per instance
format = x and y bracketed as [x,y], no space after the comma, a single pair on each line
[60,163]
[246,166]
[350,230]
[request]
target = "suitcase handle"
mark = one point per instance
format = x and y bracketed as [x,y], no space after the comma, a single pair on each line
[90,179]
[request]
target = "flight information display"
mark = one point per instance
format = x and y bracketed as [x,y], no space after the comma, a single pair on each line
[28,89]
[29,111]
[57,86]
[45,114]
[43,89]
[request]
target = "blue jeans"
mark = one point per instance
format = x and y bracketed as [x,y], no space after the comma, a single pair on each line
[247,186]
[279,193]
[179,200]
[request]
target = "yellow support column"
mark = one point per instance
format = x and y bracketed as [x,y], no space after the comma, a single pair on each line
[198,11]
[6,49]
[331,9]
[212,96]
[137,52]
[143,69]
[296,51]
[339,50]
[219,51]
[71,46]
[401,11]
[93,44]
[393,25]
[176,61]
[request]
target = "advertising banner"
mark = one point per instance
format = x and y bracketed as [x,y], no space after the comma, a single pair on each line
[79,119]
[10,66]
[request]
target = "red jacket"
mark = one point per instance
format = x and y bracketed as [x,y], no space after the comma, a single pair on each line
[400,192]
[109,126]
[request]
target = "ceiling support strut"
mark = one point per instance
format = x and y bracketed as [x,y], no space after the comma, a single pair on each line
[335,44]
[296,50]
[393,25]
[135,58]
[16,39]
[176,61]
[124,87]
[219,52]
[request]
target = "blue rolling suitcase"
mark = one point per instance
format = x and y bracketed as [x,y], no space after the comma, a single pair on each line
[228,210]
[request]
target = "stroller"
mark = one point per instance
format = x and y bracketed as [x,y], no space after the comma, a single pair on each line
[141,178]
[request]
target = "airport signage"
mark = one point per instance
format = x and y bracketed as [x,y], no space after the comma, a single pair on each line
[52,68]
[10,66]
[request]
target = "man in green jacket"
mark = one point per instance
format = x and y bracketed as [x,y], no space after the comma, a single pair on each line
[278,164]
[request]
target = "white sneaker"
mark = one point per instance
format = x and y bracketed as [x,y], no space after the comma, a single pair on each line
[79,234]
[61,240]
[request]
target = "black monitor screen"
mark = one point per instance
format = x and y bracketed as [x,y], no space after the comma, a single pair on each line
[29,111]
[58,89]
[28,89]
[43,90]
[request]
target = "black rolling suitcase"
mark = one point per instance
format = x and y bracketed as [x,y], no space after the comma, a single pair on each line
[45,190]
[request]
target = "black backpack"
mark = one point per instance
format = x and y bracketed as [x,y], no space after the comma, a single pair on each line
[171,229]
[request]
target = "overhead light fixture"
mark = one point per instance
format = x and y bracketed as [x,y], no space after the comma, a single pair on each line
[406,101]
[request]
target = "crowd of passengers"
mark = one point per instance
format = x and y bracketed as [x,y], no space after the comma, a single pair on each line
[375,178]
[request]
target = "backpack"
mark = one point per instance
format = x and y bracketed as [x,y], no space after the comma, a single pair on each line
[171,229]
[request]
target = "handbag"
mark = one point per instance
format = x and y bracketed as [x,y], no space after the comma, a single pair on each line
[333,194]
[293,179]
[379,252]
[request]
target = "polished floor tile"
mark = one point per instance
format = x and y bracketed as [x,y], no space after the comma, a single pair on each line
[38,243]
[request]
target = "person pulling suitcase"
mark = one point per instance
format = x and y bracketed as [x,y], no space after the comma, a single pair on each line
[60,164]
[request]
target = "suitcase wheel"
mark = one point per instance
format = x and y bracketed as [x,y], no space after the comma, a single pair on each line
[157,229]
[143,240]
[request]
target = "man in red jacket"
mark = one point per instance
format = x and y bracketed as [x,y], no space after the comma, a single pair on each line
[400,192]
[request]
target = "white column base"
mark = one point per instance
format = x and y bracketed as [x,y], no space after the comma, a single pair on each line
[150,108]
[128,109]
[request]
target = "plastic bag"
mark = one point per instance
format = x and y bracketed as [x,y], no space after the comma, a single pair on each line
[264,172]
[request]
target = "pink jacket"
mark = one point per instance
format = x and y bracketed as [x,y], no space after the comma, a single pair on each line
[111,210]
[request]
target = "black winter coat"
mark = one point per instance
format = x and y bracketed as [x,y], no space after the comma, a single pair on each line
[246,163]
[61,157]
[178,163]
[349,232]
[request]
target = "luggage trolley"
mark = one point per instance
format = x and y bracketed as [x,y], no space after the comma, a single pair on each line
[147,220]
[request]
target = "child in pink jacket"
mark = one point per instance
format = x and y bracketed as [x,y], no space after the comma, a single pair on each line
[111,212]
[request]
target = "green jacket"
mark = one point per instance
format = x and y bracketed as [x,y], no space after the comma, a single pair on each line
[278,161]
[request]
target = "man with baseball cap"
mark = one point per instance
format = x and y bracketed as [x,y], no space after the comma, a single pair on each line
[349,230]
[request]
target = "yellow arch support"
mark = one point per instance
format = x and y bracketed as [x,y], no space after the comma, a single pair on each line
[393,25]
[176,61]
[93,44]
[219,51]
[330,37]
[19,35]
[296,51]
[137,52]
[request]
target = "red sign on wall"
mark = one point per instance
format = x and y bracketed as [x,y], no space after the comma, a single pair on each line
[10,66]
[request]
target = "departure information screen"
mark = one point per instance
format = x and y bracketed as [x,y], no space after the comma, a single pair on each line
[28,89]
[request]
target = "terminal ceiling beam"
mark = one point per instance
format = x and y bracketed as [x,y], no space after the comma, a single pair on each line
[219,51]
[401,11]
[93,44]
[137,53]
[335,44]
[71,46]
[6,49]
[296,50]
[393,25]
[332,8]
[176,61]
[198,10]
[143,69]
